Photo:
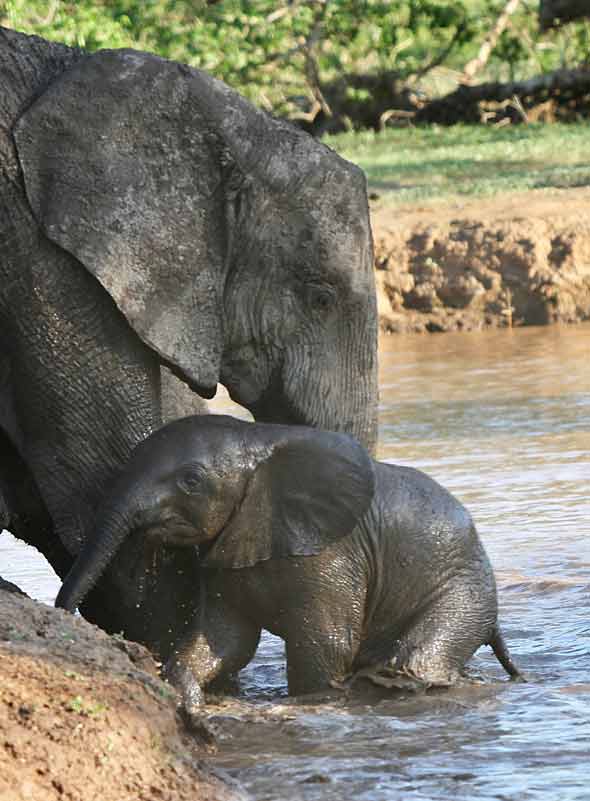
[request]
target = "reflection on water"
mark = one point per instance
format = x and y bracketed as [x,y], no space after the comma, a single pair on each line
[503,420]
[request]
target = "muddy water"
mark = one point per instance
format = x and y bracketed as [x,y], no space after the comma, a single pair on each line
[503,420]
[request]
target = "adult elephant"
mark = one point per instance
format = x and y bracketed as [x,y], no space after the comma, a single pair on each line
[152,217]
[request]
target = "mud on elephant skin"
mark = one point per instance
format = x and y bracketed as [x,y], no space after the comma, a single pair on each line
[357,565]
[152,218]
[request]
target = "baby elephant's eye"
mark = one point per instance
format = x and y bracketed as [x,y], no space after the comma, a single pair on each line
[190,482]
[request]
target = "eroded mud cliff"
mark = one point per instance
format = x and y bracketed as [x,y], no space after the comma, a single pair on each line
[522,260]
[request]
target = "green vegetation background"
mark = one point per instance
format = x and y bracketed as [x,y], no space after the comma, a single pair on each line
[262,47]
[259,47]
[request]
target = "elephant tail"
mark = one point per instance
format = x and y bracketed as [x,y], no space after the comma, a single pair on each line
[500,649]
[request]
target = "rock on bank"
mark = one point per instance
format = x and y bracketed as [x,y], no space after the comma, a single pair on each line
[83,716]
[520,259]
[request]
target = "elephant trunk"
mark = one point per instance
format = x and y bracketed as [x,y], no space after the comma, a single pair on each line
[362,391]
[98,551]
[336,389]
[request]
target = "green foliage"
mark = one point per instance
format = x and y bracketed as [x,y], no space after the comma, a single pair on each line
[86,708]
[272,50]
[81,24]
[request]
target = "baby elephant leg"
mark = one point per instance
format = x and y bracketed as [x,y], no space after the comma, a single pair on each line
[438,644]
[312,667]
[218,644]
[319,657]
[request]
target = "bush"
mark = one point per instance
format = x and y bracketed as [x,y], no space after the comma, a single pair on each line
[289,55]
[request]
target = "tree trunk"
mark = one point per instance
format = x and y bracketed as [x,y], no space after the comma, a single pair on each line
[557,12]
[462,105]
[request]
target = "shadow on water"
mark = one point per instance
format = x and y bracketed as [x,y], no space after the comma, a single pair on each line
[503,420]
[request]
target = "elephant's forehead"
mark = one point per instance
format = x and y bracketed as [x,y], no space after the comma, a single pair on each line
[189,438]
[336,212]
[210,441]
[345,244]
[217,449]
[339,242]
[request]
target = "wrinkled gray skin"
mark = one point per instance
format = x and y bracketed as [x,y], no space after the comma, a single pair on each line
[150,216]
[4,519]
[357,565]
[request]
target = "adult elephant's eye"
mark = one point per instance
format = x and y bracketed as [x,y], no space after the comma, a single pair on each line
[322,298]
[190,482]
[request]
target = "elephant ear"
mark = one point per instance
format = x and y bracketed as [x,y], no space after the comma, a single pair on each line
[120,171]
[308,493]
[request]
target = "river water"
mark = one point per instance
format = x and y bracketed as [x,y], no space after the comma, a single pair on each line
[502,419]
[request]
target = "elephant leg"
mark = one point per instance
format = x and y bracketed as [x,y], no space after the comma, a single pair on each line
[4,515]
[22,510]
[319,657]
[84,391]
[220,642]
[437,646]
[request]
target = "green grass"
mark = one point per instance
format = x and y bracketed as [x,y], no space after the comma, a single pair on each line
[429,164]
[87,708]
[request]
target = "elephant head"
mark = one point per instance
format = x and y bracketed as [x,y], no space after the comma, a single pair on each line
[236,246]
[241,491]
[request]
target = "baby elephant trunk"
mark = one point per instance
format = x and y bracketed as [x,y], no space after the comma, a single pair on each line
[93,559]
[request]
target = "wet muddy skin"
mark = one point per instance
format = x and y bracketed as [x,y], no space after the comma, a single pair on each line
[502,419]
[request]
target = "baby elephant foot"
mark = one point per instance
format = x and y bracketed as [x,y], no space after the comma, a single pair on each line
[199,725]
[387,675]
[181,677]
[191,703]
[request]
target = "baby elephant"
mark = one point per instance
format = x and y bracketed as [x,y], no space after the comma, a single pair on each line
[359,566]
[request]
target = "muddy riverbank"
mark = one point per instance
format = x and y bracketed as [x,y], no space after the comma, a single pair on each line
[85,716]
[484,263]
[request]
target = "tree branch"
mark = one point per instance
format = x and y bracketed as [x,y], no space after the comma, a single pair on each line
[438,60]
[312,73]
[490,42]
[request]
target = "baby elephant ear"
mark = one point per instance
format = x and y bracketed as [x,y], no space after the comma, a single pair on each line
[310,492]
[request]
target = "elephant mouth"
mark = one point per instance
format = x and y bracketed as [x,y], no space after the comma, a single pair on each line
[170,530]
[273,405]
[272,409]
[179,536]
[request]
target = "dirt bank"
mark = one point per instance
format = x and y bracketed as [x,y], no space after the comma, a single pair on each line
[520,259]
[83,716]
